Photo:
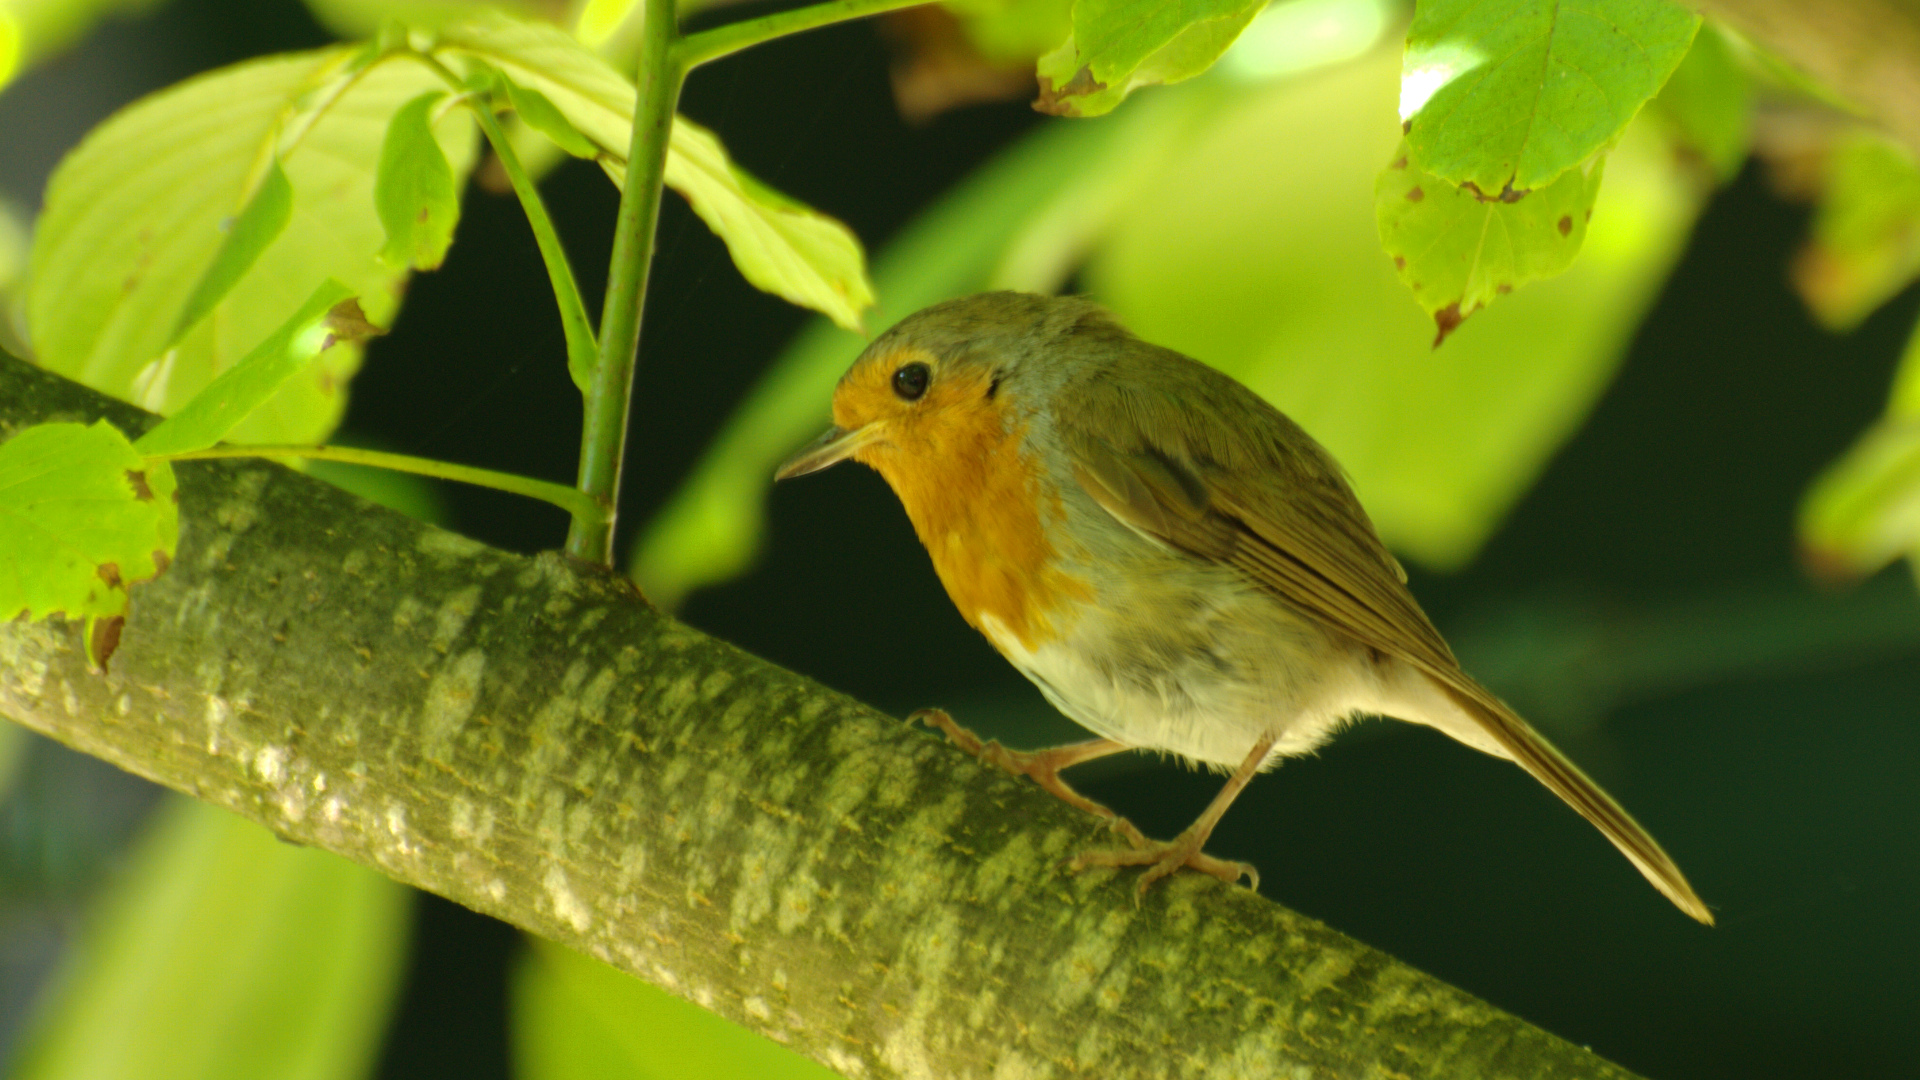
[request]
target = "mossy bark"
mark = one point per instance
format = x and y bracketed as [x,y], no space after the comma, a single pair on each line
[528,737]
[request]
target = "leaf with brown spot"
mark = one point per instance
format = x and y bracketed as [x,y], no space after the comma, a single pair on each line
[75,533]
[1118,46]
[1458,251]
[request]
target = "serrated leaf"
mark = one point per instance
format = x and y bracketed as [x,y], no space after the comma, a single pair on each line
[231,397]
[1118,46]
[1459,252]
[1708,103]
[223,954]
[257,224]
[82,517]
[414,191]
[543,116]
[134,219]
[1865,242]
[779,245]
[575,1018]
[1507,95]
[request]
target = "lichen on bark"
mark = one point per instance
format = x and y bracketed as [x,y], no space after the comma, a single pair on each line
[529,737]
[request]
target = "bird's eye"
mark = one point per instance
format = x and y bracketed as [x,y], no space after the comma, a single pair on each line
[911,381]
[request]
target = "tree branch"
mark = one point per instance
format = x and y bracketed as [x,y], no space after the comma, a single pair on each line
[529,738]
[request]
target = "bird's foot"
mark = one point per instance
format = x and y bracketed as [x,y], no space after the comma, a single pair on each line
[1041,766]
[1164,857]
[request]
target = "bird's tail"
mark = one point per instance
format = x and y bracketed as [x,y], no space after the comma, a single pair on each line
[1548,765]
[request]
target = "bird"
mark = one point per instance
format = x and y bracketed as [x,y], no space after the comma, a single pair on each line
[1175,564]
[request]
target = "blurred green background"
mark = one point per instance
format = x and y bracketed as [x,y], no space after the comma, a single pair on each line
[1594,484]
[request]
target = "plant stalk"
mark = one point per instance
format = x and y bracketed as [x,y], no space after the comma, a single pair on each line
[603,438]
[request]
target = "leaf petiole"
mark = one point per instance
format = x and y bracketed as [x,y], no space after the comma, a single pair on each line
[582,349]
[699,48]
[583,507]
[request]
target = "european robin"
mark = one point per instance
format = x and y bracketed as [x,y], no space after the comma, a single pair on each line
[1177,565]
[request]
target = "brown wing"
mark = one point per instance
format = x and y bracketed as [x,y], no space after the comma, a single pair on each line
[1261,496]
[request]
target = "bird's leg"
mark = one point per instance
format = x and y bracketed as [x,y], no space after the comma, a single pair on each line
[1162,859]
[1041,766]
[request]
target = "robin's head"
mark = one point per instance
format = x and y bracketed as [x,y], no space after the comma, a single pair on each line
[949,375]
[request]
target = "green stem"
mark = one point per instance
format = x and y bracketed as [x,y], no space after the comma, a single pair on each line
[577,503]
[603,439]
[582,350]
[697,49]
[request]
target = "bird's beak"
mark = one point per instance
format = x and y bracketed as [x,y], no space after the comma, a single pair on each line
[832,448]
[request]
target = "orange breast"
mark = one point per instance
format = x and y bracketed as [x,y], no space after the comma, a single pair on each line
[983,512]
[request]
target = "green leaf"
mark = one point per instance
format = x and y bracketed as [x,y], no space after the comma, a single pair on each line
[230,398]
[1118,46]
[1863,512]
[1865,242]
[136,215]
[575,1018]
[364,18]
[82,517]
[1458,252]
[1708,104]
[1507,95]
[10,47]
[1243,251]
[224,954]
[414,189]
[540,114]
[32,30]
[779,245]
[258,224]
[711,528]
[1009,31]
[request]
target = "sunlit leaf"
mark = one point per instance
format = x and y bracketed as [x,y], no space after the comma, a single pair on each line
[363,18]
[1708,103]
[1293,36]
[1245,252]
[414,190]
[82,517]
[10,47]
[257,225]
[138,213]
[711,527]
[1458,251]
[1012,30]
[233,396]
[575,1018]
[224,954]
[779,245]
[1508,94]
[1118,46]
[36,29]
[1865,242]
[1864,511]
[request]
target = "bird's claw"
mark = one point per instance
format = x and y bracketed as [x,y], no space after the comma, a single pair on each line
[1162,859]
[1042,767]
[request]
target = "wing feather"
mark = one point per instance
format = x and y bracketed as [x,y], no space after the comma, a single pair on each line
[1213,470]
